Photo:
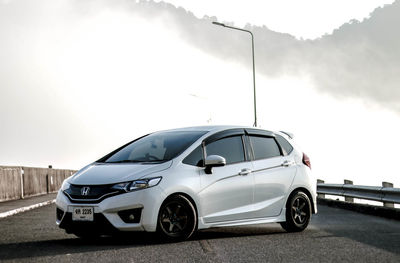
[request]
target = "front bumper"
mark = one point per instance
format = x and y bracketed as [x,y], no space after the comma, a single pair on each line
[106,217]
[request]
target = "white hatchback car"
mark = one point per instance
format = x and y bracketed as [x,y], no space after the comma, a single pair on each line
[178,181]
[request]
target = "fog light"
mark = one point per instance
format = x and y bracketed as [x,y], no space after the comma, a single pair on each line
[131,215]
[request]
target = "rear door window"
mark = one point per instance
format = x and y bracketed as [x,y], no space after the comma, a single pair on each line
[264,147]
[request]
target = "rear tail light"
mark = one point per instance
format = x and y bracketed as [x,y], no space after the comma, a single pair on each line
[306,160]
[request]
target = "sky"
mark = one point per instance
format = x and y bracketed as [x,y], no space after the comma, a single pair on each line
[80,78]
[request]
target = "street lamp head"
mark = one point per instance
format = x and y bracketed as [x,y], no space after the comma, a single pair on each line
[218,23]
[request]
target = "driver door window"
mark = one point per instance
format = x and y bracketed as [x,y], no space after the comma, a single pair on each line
[230,148]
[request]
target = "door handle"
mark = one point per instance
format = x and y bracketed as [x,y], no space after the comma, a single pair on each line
[245,172]
[287,163]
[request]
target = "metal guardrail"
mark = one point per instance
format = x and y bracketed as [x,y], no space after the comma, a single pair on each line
[388,195]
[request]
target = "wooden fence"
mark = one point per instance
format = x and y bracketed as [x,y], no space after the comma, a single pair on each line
[18,182]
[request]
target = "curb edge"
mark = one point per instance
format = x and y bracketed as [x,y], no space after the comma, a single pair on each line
[26,208]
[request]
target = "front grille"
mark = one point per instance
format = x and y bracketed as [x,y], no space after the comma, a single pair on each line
[90,193]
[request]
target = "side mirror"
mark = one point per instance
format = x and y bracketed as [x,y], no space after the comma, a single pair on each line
[213,161]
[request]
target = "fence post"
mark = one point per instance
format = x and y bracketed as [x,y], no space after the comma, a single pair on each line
[22,182]
[47,179]
[319,181]
[388,204]
[47,183]
[348,199]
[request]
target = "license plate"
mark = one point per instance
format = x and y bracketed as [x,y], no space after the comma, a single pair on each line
[83,213]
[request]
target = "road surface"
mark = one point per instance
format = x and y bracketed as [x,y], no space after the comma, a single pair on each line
[334,235]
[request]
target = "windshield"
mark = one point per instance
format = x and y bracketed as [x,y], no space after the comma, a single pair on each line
[157,147]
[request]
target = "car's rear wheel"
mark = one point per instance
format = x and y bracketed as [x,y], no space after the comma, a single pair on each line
[298,212]
[177,219]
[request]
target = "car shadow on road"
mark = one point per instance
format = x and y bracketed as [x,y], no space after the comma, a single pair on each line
[120,241]
[232,232]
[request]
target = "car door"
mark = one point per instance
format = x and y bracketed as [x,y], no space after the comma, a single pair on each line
[227,193]
[273,173]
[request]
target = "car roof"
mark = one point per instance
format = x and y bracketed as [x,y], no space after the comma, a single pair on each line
[205,128]
[212,128]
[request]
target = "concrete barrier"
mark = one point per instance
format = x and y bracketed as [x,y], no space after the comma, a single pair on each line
[19,182]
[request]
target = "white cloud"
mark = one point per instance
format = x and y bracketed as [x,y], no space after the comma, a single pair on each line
[359,60]
[75,85]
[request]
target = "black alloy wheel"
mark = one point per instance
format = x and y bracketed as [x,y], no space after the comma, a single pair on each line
[298,212]
[177,219]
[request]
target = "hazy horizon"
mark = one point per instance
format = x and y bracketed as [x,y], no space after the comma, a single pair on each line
[79,79]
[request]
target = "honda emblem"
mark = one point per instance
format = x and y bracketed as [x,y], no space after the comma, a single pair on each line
[85,190]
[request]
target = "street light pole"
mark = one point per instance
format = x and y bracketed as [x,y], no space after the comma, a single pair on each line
[254,67]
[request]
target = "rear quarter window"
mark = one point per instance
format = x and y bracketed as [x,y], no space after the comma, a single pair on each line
[285,145]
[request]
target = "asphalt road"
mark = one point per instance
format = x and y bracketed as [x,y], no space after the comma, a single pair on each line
[334,235]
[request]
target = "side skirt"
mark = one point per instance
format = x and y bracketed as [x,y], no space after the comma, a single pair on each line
[252,221]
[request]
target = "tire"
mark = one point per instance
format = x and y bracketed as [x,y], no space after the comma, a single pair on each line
[298,212]
[177,219]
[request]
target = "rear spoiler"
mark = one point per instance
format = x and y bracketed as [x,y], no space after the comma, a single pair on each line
[289,134]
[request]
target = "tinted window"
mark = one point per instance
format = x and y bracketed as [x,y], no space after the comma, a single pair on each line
[156,147]
[230,148]
[195,158]
[264,147]
[286,147]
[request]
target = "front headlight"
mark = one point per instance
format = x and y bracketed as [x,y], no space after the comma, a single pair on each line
[65,185]
[137,184]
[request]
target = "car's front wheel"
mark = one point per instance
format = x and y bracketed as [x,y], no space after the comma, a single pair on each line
[298,212]
[177,218]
